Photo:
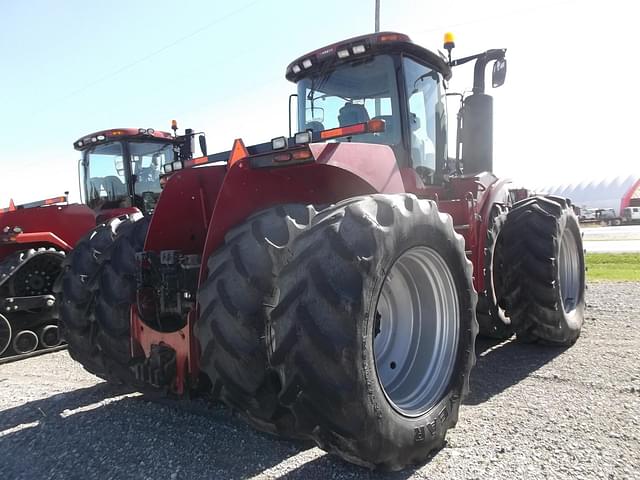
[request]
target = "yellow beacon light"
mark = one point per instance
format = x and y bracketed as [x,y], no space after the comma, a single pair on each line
[449,41]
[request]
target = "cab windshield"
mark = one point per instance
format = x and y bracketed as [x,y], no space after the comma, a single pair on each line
[107,180]
[352,93]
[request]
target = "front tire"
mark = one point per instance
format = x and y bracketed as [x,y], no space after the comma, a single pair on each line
[545,271]
[368,367]
[492,318]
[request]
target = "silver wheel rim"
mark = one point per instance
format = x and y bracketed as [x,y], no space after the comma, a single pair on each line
[416,331]
[569,271]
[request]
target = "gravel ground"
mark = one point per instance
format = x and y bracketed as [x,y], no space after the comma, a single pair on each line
[534,413]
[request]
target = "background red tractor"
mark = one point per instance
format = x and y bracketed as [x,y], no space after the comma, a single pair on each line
[324,285]
[120,174]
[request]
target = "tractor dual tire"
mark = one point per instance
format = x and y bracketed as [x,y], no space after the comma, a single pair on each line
[492,319]
[96,291]
[232,321]
[348,283]
[544,271]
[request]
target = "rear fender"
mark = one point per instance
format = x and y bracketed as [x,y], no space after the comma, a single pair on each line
[340,170]
[181,217]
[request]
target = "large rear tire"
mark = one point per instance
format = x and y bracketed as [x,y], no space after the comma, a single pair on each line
[373,334]
[96,291]
[231,326]
[545,271]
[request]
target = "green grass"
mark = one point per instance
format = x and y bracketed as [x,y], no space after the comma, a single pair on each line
[613,266]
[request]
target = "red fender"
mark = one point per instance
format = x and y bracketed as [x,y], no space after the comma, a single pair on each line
[59,226]
[198,206]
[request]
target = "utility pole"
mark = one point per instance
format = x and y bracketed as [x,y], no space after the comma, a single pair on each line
[377,27]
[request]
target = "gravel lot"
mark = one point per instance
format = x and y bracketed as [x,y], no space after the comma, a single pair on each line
[534,412]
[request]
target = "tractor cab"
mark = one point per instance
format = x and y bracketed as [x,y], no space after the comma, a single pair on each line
[122,168]
[385,77]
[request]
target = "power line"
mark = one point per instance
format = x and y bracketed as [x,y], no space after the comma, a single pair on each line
[512,13]
[148,56]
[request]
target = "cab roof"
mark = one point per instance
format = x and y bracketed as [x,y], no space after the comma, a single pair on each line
[120,134]
[362,46]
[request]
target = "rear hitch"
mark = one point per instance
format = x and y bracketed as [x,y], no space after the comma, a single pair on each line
[159,368]
[161,343]
[167,284]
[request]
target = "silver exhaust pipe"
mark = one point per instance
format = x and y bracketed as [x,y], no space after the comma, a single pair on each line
[49,336]
[25,341]
[5,334]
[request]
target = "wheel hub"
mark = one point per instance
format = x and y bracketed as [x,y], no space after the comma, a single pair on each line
[416,347]
[37,276]
[569,271]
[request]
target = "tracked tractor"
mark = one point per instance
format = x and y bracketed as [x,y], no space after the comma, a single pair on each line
[119,174]
[328,284]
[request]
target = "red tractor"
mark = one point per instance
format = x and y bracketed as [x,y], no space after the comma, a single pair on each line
[324,285]
[119,174]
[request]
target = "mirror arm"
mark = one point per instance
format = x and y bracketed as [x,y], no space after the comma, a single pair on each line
[481,63]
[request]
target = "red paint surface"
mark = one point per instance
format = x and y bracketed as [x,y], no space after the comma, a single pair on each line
[142,337]
[41,226]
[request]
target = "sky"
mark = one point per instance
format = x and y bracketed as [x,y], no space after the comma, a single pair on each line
[568,110]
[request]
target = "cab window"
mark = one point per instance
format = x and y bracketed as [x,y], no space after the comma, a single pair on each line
[351,93]
[426,118]
[106,185]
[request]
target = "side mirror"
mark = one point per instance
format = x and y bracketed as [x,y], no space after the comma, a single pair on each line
[499,72]
[203,145]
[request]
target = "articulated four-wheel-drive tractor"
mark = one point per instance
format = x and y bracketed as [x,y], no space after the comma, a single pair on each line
[120,173]
[324,284]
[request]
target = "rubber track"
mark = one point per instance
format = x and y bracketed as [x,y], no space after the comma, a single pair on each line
[13,263]
[9,267]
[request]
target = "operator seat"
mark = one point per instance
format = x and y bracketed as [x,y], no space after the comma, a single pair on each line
[314,126]
[352,113]
[114,186]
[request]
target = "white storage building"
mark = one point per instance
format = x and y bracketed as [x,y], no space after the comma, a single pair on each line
[616,193]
